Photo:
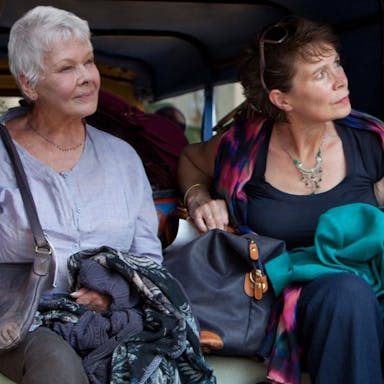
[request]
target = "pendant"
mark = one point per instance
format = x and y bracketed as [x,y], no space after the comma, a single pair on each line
[309,171]
[311,177]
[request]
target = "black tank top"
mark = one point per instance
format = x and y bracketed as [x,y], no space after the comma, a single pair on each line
[293,218]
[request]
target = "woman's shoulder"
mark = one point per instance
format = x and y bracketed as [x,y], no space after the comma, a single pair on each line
[245,136]
[366,130]
[362,121]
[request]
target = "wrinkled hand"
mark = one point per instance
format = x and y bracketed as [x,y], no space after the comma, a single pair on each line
[207,213]
[95,301]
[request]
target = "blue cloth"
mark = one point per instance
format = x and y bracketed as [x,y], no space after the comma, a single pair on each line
[349,238]
[104,199]
[95,335]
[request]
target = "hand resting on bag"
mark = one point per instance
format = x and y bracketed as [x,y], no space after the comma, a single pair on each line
[206,213]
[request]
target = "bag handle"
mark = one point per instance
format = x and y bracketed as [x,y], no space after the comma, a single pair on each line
[42,247]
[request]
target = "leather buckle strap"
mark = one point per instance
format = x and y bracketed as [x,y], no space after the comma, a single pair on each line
[42,260]
[255,284]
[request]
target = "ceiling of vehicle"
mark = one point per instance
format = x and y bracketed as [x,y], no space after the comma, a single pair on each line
[179,46]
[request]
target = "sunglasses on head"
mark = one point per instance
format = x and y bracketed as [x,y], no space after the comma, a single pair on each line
[275,34]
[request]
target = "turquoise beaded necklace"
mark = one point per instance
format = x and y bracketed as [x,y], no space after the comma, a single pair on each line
[311,177]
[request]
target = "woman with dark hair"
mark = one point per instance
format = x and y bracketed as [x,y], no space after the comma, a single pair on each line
[300,151]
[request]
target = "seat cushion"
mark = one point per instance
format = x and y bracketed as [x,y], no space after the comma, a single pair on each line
[240,370]
[5,380]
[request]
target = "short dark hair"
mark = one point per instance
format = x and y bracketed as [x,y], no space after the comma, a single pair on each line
[305,39]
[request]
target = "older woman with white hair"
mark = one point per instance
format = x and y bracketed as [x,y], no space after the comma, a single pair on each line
[90,188]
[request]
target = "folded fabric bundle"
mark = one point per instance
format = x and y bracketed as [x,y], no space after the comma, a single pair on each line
[348,238]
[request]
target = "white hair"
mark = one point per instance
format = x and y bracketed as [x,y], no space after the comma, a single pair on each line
[33,35]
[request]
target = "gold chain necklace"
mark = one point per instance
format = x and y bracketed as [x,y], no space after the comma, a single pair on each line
[60,148]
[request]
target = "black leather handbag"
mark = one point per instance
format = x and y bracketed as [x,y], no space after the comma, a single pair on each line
[223,276]
[21,284]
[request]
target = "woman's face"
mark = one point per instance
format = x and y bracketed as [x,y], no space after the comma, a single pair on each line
[70,82]
[319,90]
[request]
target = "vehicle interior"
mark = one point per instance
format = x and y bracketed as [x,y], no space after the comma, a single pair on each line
[151,51]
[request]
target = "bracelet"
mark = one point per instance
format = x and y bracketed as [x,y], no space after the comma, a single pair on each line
[189,190]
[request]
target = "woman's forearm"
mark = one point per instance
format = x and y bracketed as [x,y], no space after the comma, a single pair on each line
[379,192]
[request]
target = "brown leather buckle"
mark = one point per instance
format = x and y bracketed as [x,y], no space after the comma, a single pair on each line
[253,250]
[255,284]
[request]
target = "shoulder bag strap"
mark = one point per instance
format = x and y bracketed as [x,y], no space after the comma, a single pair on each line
[42,249]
